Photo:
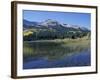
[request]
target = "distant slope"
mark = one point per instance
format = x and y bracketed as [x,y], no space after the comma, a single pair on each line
[51,29]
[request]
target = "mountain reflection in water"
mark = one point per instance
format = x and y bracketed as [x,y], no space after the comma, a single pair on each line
[81,59]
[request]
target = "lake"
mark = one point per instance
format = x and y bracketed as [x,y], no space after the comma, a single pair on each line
[53,54]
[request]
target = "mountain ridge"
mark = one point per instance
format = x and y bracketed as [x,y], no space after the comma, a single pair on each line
[50,23]
[52,29]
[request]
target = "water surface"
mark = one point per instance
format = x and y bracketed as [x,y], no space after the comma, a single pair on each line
[51,55]
[81,59]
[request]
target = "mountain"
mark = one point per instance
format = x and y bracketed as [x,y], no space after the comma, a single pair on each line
[28,24]
[49,23]
[51,29]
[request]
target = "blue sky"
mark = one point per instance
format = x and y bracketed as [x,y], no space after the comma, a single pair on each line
[82,19]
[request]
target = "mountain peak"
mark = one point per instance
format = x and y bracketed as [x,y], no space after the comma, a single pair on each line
[50,23]
[50,20]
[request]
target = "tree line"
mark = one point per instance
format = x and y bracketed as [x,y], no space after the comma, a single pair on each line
[51,34]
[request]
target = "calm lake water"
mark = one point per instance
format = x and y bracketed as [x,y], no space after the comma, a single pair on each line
[47,55]
[81,59]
